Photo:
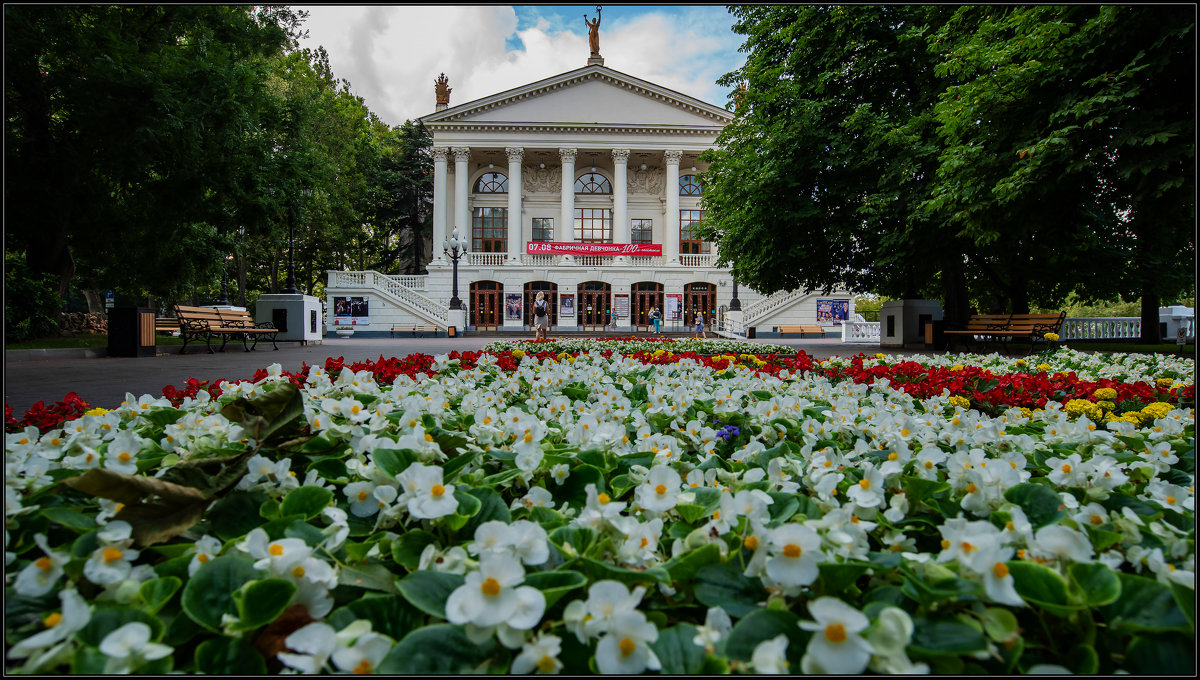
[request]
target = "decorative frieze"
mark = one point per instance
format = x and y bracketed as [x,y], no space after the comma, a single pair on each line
[648,181]
[542,179]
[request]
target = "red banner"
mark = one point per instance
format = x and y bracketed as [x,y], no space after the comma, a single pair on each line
[560,248]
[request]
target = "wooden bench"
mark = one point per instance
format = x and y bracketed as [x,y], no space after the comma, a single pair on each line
[1006,327]
[209,323]
[413,328]
[801,330]
[166,324]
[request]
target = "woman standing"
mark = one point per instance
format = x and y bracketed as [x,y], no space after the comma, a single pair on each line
[541,317]
[700,325]
[656,317]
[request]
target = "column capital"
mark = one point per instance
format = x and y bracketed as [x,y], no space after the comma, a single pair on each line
[568,155]
[462,154]
[620,156]
[441,153]
[673,156]
[515,153]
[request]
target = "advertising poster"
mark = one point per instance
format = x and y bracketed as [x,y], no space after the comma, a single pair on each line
[833,311]
[621,305]
[674,307]
[351,311]
[566,304]
[512,306]
[573,248]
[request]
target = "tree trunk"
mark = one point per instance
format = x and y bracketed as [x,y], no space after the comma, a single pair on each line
[956,309]
[1150,322]
[241,280]
[95,301]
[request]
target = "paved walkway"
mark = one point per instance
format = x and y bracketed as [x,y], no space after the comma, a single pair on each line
[48,375]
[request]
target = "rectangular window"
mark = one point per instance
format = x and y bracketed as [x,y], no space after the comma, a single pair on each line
[489,230]
[593,225]
[543,229]
[641,231]
[689,239]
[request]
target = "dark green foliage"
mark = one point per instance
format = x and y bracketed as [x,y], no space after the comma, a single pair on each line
[31,302]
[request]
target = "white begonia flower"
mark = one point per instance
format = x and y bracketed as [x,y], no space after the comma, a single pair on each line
[605,600]
[368,497]
[493,595]
[493,537]
[207,548]
[314,644]
[536,497]
[44,649]
[836,647]
[1058,542]
[641,541]
[625,648]
[129,646]
[770,656]
[122,452]
[111,562]
[42,574]
[717,625]
[452,561]
[795,552]
[532,543]
[559,473]
[540,653]
[660,492]
[359,649]
[292,559]
[424,493]
[338,529]
[868,492]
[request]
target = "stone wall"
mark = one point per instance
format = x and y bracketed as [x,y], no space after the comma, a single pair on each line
[74,323]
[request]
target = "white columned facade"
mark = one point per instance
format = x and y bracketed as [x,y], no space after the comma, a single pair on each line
[462,214]
[672,216]
[566,226]
[440,233]
[620,199]
[515,155]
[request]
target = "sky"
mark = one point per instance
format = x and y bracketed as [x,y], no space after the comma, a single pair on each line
[391,55]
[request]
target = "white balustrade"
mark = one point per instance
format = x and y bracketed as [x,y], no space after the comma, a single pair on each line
[593,260]
[414,282]
[860,331]
[697,260]
[391,286]
[1110,328]
[758,310]
[486,259]
[539,260]
[645,262]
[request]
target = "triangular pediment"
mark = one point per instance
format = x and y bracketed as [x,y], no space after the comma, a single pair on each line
[593,95]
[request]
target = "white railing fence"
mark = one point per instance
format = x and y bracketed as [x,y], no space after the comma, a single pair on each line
[754,312]
[1110,328]
[486,259]
[860,331]
[697,260]
[391,286]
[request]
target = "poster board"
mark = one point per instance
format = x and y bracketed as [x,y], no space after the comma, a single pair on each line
[512,306]
[674,307]
[351,311]
[621,305]
[566,304]
[833,311]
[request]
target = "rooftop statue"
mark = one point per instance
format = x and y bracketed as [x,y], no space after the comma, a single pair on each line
[440,89]
[594,32]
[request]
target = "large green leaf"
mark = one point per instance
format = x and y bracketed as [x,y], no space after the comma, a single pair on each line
[555,584]
[429,590]
[407,547]
[260,602]
[229,656]
[938,636]
[158,591]
[761,625]
[1099,584]
[1042,586]
[208,596]
[264,414]
[1145,605]
[306,501]
[491,508]
[1041,505]
[236,515]
[677,652]
[1161,654]
[723,585]
[435,649]
[390,615]
[105,620]
[683,568]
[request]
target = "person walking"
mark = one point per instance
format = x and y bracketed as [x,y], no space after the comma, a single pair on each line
[700,325]
[656,318]
[541,317]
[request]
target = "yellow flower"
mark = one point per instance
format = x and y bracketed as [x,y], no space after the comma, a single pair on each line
[1104,394]
[880,355]
[1052,337]
[518,354]
[956,367]
[1020,363]
[1106,405]
[96,411]
[1044,368]
[960,401]
[1083,407]
[1154,411]
[1165,383]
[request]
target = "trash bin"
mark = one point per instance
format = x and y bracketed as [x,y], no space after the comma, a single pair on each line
[751,332]
[935,336]
[131,332]
[451,332]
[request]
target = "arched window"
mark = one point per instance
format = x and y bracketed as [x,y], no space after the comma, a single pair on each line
[688,186]
[492,183]
[592,183]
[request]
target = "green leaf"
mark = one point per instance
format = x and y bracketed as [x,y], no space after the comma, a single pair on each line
[492,508]
[306,501]
[579,539]
[69,518]
[676,651]
[440,648]
[1161,654]
[390,615]
[555,584]
[208,596]
[261,602]
[598,571]
[939,636]
[836,578]
[158,591]
[429,590]
[685,567]
[1000,624]
[785,505]
[1041,505]
[370,576]
[919,489]
[1041,586]
[1145,605]
[1186,599]
[236,515]
[229,656]
[392,461]
[451,467]
[407,548]
[761,625]
[690,512]
[105,620]
[264,414]
[574,490]
[1083,660]
[723,585]
[1099,584]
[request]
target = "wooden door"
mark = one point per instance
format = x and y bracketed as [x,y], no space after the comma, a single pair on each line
[699,298]
[487,305]
[594,303]
[646,295]
[551,295]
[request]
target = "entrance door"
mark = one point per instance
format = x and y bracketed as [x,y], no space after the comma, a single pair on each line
[699,298]
[487,305]
[594,302]
[551,290]
[646,294]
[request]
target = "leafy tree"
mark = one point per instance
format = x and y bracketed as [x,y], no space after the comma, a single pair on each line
[401,201]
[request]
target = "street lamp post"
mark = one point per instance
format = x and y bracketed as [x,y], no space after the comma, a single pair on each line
[735,305]
[455,250]
[224,283]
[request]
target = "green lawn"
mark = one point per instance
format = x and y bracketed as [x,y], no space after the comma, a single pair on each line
[84,340]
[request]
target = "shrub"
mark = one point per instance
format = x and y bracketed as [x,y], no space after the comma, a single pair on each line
[31,301]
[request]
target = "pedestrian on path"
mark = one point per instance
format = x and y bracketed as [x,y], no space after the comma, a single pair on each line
[700,325]
[656,318]
[541,317]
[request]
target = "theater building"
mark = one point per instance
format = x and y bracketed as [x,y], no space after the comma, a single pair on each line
[582,186]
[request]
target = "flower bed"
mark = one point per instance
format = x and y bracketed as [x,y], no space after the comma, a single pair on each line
[615,511]
[630,345]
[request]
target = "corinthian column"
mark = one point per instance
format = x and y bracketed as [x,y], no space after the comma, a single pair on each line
[440,233]
[462,216]
[515,156]
[620,199]
[672,191]
[566,223]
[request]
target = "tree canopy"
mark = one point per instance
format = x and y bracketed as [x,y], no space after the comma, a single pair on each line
[996,155]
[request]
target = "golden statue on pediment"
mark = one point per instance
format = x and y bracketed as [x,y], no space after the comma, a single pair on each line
[440,89]
[594,32]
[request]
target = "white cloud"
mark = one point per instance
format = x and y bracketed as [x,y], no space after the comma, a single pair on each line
[391,55]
